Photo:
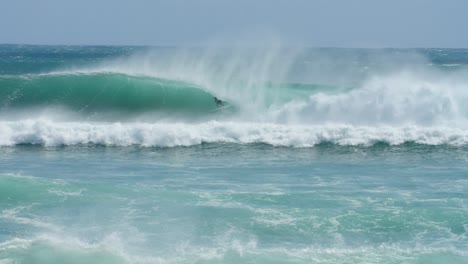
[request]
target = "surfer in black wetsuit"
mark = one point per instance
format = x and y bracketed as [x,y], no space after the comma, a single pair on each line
[218,102]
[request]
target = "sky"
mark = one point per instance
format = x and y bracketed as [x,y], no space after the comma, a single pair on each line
[316,23]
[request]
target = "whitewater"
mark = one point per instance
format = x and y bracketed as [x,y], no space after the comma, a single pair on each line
[123,155]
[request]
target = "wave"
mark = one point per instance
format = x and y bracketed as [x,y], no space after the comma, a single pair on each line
[269,96]
[100,92]
[161,134]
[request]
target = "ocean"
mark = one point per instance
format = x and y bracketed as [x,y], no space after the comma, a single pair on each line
[113,154]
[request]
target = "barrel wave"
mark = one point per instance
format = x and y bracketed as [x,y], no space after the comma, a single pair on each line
[90,93]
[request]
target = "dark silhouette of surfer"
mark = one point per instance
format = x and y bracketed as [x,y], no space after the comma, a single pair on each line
[218,102]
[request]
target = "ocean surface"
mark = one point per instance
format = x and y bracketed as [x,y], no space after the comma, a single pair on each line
[122,155]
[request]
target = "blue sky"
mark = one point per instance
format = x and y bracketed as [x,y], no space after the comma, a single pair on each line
[324,23]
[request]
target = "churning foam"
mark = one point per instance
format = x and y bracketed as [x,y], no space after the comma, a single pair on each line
[396,99]
[51,133]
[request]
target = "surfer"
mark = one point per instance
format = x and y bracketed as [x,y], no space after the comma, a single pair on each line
[218,102]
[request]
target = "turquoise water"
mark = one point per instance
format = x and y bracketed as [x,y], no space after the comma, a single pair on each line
[231,203]
[321,156]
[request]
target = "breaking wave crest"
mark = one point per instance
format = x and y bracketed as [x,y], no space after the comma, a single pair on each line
[49,133]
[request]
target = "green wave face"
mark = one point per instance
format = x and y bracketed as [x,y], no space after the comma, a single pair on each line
[103,92]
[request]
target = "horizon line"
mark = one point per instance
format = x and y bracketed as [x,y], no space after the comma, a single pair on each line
[226,46]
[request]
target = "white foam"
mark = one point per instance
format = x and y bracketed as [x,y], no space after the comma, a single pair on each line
[394,99]
[52,133]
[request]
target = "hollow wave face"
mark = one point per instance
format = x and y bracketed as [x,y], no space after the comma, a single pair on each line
[94,94]
[277,96]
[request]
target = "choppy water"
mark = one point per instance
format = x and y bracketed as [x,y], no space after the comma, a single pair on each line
[121,155]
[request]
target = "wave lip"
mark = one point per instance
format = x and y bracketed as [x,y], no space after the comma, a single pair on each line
[50,133]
